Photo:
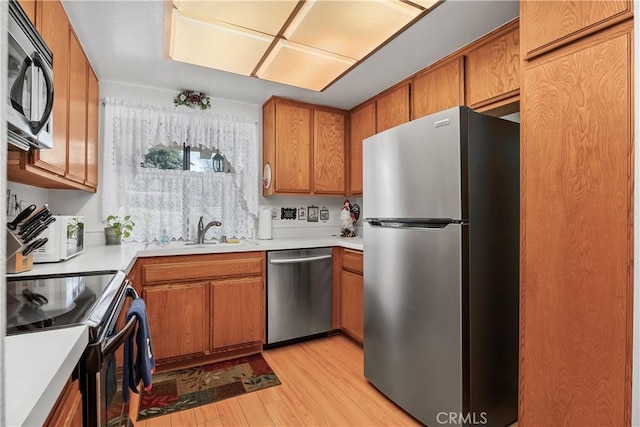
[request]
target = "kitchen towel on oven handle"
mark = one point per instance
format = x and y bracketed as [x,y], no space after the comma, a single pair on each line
[144,365]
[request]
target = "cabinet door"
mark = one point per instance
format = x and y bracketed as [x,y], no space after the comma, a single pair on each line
[352,304]
[392,109]
[576,283]
[53,25]
[363,125]
[293,148]
[29,7]
[493,70]
[438,88]
[67,410]
[237,312]
[328,152]
[550,24]
[77,111]
[177,318]
[92,129]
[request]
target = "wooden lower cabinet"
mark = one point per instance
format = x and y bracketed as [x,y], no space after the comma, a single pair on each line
[349,287]
[238,312]
[209,305]
[67,411]
[177,318]
[352,304]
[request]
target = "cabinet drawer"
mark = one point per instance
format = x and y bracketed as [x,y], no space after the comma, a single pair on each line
[352,260]
[209,268]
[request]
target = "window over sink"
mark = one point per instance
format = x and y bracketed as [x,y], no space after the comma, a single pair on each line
[162,163]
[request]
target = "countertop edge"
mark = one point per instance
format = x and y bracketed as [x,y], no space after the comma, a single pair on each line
[45,395]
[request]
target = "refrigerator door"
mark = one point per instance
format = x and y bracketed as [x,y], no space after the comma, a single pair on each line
[414,170]
[413,317]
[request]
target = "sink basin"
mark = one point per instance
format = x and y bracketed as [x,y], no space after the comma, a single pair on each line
[182,244]
[196,243]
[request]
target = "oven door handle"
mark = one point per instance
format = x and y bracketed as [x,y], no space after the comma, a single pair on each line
[116,341]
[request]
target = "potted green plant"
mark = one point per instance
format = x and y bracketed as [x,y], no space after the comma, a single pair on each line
[117,228]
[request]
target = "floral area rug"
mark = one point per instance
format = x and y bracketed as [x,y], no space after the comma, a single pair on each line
[188,388]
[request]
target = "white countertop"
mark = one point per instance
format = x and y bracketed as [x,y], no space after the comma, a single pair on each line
[37,366]
[122,257]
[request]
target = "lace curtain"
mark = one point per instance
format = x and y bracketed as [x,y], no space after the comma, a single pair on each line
[171,201]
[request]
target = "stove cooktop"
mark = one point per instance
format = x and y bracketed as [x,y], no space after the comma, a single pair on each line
[37,303]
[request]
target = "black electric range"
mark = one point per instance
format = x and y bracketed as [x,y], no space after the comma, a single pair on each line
[35,303]
[97,300]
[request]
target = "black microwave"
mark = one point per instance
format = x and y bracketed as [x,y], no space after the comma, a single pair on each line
[30,79]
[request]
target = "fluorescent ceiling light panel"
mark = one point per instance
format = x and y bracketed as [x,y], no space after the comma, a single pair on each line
[351,28]
[265,16]
[303,66]
[427,4]
[216,44]
[308,44]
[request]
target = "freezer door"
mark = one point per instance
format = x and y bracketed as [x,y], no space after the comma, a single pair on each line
[414,170]
[413,317]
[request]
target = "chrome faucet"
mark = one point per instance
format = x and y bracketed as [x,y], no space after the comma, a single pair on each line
[202,229]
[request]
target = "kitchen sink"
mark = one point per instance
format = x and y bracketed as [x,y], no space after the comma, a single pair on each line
[175,244]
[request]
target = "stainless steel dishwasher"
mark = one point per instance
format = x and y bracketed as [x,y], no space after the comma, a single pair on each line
[299,293]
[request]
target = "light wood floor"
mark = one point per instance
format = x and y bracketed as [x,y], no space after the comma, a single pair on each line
[322,385]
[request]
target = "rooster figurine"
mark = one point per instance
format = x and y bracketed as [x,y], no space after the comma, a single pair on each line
[349,215]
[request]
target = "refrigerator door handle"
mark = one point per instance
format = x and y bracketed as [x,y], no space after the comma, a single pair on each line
[420,223]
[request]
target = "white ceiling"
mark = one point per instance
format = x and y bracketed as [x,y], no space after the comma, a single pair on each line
[123,40]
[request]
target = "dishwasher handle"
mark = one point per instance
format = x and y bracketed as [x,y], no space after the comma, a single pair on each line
[298,260]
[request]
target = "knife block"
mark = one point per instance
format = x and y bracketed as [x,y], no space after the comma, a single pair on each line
[16,262]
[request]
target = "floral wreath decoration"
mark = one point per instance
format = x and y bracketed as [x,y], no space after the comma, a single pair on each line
[192,99]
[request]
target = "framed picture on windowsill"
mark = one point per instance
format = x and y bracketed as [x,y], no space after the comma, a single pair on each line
[312,214]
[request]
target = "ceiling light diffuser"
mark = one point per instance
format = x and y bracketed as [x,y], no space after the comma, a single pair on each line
[307,44]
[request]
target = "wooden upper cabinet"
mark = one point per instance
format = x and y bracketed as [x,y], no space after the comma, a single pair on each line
[550,24]
[237,314]
[178,316]
[53,25]
[293,148]
[392,108]
[304,145]
[328,152]
[77,111]
[577,270]
[363,125]
[493,70]
[92,129]
[438,88]
[29,7]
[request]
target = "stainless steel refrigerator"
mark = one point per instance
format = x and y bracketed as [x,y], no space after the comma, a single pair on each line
[441,254]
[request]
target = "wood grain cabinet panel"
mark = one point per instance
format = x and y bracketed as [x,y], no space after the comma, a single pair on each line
[352,261]
[178,318]
[438,88]
[352,304]
[363,125]
[29,7]
[293,150]
[77,144]
[216,266]
[67,411]
[304,144]
[576,283]
[328,152]
[237,312]
[550,24]
[392,108]
[91,160]
[53,25]
[493,70]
